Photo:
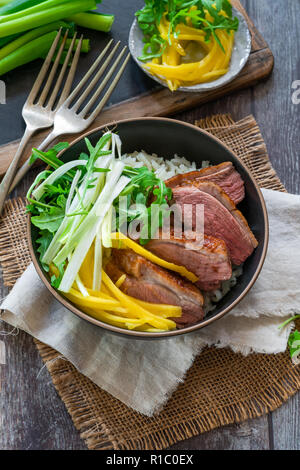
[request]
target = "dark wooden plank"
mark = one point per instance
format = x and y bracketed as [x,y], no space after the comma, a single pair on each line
[33,417]
[278,119]
[277,116]
[250,435]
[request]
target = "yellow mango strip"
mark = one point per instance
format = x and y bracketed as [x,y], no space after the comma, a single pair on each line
[93,302]
[191,37]
[128,243]
[184,29]
[162,310]
[86,270]
[163,28]
[114,319]
[121,280]
[149,329]
[185,72]
[100,293]
[207,77]
[171,57]
[132,306]
[223,58]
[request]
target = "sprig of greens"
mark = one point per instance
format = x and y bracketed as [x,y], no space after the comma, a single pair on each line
[177,11]
[139,192]
[49,211]
[294,340]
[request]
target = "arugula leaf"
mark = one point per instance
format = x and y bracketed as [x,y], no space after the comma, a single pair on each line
[49,220]
[143,185]
[49,157]
[44,241]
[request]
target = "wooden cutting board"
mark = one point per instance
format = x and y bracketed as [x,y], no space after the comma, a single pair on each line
[161,102]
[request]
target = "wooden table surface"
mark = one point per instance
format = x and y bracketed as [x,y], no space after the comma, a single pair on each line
[32,416]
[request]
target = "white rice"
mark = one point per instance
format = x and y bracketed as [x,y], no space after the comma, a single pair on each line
[164,169]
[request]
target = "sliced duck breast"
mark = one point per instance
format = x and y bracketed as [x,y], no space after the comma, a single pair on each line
[151,283]
[208,258]
[217,192]
[224,174]
[219,222]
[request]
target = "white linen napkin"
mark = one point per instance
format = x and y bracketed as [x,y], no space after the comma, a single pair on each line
[143,374]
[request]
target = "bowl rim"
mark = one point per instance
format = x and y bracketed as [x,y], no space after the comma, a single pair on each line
[164,334]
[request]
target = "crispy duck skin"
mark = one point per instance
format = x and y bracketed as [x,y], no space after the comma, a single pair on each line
[207,258]
[224,175]
[151,283]
[219,222]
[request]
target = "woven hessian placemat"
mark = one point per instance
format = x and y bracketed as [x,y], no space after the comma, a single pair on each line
[220,388]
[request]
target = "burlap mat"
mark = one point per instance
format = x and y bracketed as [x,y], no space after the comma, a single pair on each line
[220,388]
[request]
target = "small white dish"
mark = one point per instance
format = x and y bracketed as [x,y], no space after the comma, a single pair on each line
[240,55]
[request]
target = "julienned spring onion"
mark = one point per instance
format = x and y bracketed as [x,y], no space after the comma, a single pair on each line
[27,53]
[93,20]
[23,20]
[30,36]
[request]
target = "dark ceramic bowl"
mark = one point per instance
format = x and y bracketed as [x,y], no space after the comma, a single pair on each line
[166,137]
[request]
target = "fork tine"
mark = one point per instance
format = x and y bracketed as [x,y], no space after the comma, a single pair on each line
[39,80]
[109,91]
[53,72]
[95,79]
[103,83]
[66,90]
[62,73]
[87,75]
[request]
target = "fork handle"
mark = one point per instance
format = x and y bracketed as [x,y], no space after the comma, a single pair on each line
[10,173]
[26,166]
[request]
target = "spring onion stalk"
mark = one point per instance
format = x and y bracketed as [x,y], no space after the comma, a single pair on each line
[93,215]
[29,7]
[27,53]
[69,225]
[81,287]
[72,190]
[27,37]
[39,191]
[8,6]
[93,20]
[85,46]
[46,15]
[8,39]
[106,229]
[88,231]
[97,262]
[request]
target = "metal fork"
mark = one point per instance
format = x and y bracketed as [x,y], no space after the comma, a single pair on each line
[40,115]
[68,119]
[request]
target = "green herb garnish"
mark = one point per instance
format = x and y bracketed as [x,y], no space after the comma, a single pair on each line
[294,340]
[142,186]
